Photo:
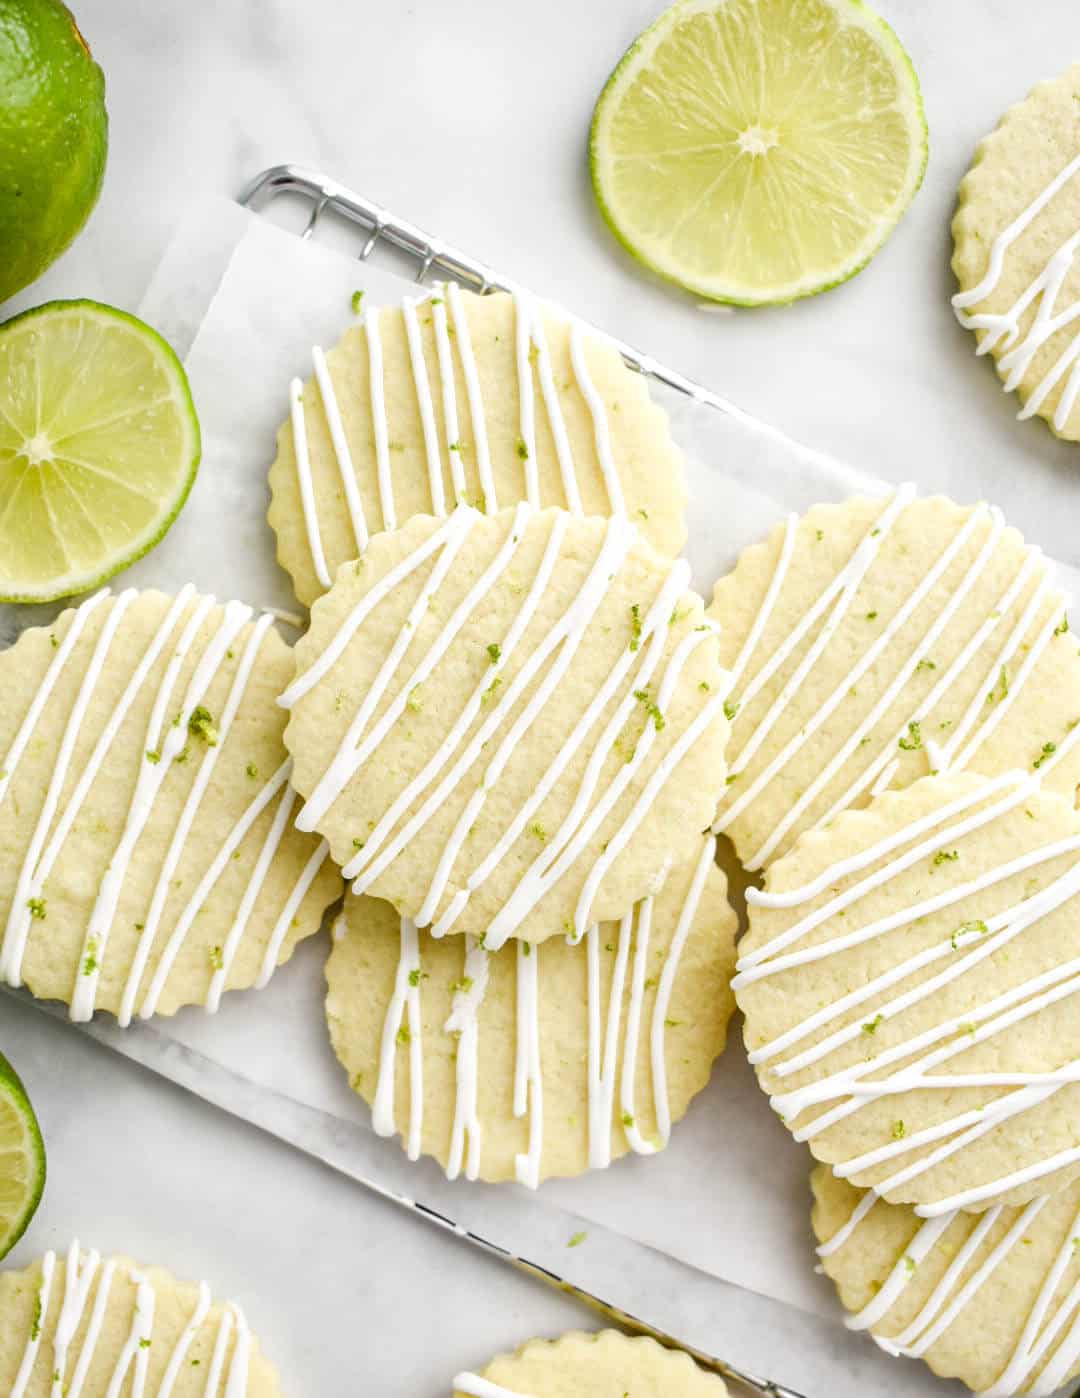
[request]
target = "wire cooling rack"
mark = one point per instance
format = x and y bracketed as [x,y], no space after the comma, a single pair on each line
[431,257]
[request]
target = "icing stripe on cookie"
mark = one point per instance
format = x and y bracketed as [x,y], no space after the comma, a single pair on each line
[968,946]
[1003,327]
[80,1271]
[426,407]
[611,1039]
[341,448]
[478,1387]
[304,480]
[1045,1325]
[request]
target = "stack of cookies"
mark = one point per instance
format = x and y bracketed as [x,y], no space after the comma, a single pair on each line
[521,736]
[518,735]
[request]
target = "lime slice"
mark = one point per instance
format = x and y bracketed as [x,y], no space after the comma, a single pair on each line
[99,445]
[22,1159]
[755,151]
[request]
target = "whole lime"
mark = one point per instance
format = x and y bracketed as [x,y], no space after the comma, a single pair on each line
[53,136]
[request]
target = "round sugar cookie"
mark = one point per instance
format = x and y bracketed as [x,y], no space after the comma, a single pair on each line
[991,1298]
[874,641]
[536,1061]
[509,725]
[148,858]
[456,398]
[599,1364]
[1015,235]
[908,979]
[88,1326]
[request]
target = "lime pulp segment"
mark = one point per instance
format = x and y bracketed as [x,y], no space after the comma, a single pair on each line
[756,151]
[22,1159]
[99,445]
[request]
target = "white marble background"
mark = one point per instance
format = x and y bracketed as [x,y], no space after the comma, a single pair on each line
[470,117]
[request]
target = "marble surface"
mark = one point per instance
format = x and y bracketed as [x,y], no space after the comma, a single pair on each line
[470,116]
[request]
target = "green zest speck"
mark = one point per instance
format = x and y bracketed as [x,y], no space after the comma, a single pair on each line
[201,725]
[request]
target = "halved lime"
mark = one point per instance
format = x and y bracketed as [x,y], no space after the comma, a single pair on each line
[755,151]
[22,1159]
[99,445]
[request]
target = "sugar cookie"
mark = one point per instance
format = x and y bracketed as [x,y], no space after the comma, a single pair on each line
[873,641]
[907,980]
[509,725]
[603,1364]
[536,1061]
[86,1327]
[452,398]
[1015,234]
[147,854]
[991,1298]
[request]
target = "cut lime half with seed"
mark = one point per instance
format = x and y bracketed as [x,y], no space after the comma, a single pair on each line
[99,445]
[756,151]
[22,1159]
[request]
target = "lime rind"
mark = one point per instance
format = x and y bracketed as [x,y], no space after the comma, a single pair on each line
[164,358]
[635,59]
[12,1089]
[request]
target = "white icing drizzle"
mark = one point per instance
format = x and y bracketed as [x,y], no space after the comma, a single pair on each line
[528,1075]
[450,324]
[464,1022]
[44,850]
[1044,1325]
[403,1022]
[340,443]
[474,395]
[183,829]
[37,1326]
[304,480]
[445,353]
[148,785]
[830,608]
[601,426]
[1003,327]
[476,1386]
[425,406]
[79,1274]
[379,422]
[851,1087]
[636,664]
[610,1038]
[523,342]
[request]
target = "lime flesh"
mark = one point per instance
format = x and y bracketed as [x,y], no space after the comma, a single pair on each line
[22,1159]
[756,151]
[99,445]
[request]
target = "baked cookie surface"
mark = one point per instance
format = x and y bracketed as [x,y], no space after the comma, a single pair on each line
[908,979]
[601,1364]
[873,641]
[988,1298]
[537,1061]
[456,398]
[1015,234]
[86,1326]
[147,854]
[509,725]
